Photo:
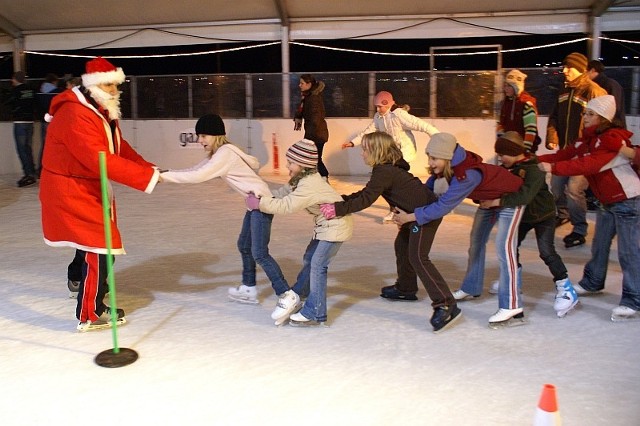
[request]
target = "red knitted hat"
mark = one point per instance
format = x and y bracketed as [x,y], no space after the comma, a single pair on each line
[100,71]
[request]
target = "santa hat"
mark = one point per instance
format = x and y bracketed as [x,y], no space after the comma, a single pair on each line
[101,71]
[383,99]
[515,79]
[304,153]
[604,106]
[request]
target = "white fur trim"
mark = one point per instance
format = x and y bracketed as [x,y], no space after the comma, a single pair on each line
[48,117]
[96,78]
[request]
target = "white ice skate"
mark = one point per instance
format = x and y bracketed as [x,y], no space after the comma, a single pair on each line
[103,322]
[507,318]
[624,313]
[461,295]
[494,287]
[299,320]
[244,294]
[566,297]
[388,218]
[288,303]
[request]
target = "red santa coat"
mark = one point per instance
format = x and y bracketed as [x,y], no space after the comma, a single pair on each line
[70,192]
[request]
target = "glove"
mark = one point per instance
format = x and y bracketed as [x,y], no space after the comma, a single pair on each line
[252,202]
[298,124]
[328,210]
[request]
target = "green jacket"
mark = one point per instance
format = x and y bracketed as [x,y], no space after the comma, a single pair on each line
[534,192]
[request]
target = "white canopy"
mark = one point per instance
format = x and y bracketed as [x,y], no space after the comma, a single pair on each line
[47,25]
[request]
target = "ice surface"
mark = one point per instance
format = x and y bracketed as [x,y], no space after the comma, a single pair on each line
[207,361]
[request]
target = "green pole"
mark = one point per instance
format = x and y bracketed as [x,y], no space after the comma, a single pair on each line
[106,212]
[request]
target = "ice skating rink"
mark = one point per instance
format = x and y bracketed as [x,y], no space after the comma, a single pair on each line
[207,361]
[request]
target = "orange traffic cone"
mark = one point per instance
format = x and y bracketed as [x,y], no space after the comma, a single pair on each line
[547,412]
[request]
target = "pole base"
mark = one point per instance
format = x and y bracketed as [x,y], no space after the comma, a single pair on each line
[111,359]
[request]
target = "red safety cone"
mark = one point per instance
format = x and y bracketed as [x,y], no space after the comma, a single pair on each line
[547,412]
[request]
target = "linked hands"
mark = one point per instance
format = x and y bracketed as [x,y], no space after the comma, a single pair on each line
[400,217]
[328,210]
[252,202]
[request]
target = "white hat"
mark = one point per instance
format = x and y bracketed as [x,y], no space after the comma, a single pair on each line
[515,79]
[604,106]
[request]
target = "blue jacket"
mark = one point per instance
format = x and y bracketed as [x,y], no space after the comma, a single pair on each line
[458,191]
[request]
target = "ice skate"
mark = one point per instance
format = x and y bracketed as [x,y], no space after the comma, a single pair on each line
[288,303]
[566,297]
[103,322]
[624,313]
[391,292]
[581,291]
[444,316]
[494,287]
[74,288]
[299,320]
[461,295]
[244,294]
[388,218]
[507,318]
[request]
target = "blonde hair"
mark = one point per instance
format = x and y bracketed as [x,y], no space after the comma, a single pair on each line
[447,171]
[382,149]
[218,141]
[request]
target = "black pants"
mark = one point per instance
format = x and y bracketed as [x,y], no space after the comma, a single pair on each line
[418,241]
[322,169]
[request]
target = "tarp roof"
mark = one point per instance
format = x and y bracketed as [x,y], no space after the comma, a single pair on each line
[71,24]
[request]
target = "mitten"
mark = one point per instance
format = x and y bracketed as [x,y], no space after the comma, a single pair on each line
[252,202]
[328,210]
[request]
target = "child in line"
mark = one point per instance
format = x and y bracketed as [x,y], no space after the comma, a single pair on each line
[307,189]
[617,187]
[468,177]
[539,214]
[391,180]
[395,120]
[237,169]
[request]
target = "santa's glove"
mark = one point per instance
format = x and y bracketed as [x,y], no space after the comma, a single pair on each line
[297,124]
[252,202]
[328,210]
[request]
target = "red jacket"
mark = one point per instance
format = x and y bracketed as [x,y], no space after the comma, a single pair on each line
[610,175]
[70,191]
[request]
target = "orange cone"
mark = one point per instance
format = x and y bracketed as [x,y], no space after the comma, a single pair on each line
[547,412]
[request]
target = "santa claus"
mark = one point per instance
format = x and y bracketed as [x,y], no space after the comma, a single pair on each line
[84,122]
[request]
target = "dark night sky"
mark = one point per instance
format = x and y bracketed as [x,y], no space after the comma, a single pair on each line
[306,59]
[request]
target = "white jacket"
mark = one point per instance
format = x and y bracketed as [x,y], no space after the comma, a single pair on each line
[311,191]
[231,164]
[399,124]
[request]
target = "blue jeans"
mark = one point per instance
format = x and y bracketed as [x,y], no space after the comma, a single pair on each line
[23,135]
[623,219]
[506,243]
[312,278]
[571,201]
[545,238]
[253,244]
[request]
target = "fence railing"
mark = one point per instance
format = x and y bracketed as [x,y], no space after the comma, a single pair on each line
[347,94]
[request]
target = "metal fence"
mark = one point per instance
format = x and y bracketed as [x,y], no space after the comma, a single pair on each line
[457,94]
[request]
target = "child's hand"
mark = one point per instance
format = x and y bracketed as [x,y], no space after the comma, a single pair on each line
[545,167]
[252,202]
[487,204]
[297,124]
[328,210]
[347,145]
[401,217]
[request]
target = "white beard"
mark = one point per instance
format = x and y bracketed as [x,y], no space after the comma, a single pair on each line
[106,101]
